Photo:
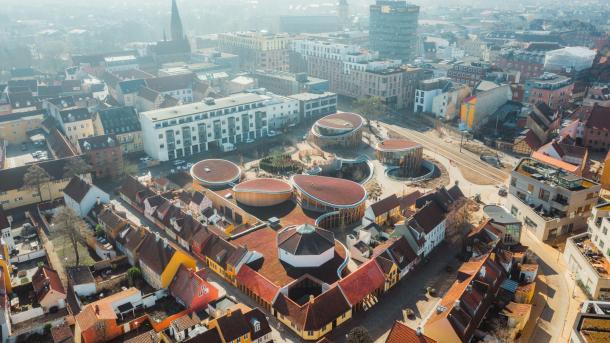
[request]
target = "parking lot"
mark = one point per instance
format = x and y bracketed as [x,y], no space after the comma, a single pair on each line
[22,154]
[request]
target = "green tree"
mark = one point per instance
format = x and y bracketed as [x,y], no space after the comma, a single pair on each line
[359,335]
[35,177]
[134,275]
[76,166]
[70,226]
[99,231]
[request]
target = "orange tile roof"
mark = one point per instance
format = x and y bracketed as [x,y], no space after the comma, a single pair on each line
[513,309]
[257,284]
[401,333]
[101,309]
[362,282]
[264,241]
[555,162]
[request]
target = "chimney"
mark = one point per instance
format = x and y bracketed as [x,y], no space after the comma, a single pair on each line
[457,304]
[97,309]
[311,297]
[98,201]
[418,331]
[164,242]
[482,271]
[157,236]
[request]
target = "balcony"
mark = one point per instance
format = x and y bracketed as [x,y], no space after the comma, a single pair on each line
[595,258]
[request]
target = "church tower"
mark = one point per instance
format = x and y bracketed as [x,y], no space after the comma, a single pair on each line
[176,28]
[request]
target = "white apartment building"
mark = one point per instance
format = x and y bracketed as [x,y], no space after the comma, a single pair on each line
[351,70]
[184,130]
[588,254]
[549,201]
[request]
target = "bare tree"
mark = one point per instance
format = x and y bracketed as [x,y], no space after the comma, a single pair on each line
[35,177]
[458,222]
[71,227]
[359,334]
[502,331]
[76,166]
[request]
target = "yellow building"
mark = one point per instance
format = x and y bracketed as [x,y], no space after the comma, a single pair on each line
[468,111]
[160,260]
[317,317]
[6,267]
[123,122]
[14,193]
[14,127]
[76,124]
[604,178]
[525,293]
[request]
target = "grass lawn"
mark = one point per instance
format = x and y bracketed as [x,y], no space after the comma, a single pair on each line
[65,252]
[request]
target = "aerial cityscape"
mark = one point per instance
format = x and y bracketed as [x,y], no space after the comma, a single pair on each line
[255,171]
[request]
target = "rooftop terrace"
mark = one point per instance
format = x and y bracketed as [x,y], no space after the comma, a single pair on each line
[556,177]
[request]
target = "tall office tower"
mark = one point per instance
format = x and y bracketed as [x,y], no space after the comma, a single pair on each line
[343,14]
[393,29]
[177,31]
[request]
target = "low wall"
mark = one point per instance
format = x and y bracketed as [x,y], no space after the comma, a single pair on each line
[29,256]
[26,315]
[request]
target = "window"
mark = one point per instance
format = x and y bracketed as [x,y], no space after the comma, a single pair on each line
[530,188]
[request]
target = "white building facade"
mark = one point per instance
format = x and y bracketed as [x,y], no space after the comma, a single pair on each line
[184,130]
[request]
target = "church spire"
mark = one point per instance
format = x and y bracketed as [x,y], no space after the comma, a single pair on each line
[177,31]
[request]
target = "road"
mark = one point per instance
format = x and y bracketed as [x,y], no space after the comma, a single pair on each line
[451,151]
[557,298]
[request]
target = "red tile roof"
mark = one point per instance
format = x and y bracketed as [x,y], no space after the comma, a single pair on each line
[186,286]
[257,284]
[334,191]
[264,185]
[341,120]
[363,281]
[385,205]
[396,145]
[44,280]
[401,333]
[215,171]
[599,118]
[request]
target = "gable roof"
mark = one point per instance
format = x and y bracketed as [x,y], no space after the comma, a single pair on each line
[98,142]
[427,218]
[186,284]
[257,284]
[362,282]
[130,187]
[119,120]
[401,333]
[385,205]
[59,144]
[223,252]
[111,218]
[77,189]
[74,114]
[131,238]
[316,313]
[131,86]
[158,253]
[12,178]
[170,83]
[232,325]
[256,315]
[398,250]
[599,118]
[148,94]
[45,280]
[210,336]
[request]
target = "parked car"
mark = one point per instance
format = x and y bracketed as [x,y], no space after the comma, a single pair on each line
[249,140]
[272,133]
[178,162]
[145,158]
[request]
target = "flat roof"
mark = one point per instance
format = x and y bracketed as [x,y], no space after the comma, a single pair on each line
[199,107]
[215,171]
[311,96]
[499,215]
[330,190]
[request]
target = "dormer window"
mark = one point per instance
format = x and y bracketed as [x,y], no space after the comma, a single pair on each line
[256,325]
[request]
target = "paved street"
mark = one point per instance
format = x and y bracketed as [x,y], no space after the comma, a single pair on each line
[408,293]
